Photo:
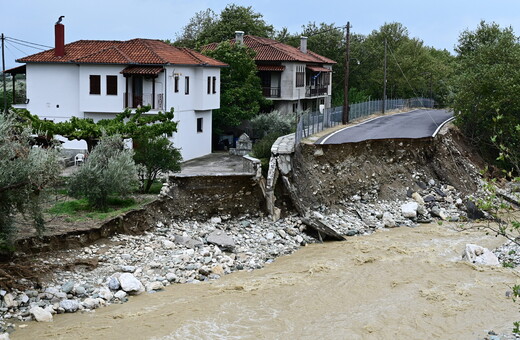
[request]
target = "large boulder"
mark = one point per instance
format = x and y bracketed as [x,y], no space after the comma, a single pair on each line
[70,306]
[409,210]
[130,284]
[221,239]
[480,255]
[40,314]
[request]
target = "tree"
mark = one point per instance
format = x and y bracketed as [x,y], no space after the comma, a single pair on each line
[205,28]
[24,172]
[110,170]
[486,87]
[127,124]
[156,155]
[240,92]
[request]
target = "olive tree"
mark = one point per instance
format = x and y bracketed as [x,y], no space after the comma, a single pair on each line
[24,172]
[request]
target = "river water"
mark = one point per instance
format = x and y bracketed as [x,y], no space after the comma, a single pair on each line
[402,283]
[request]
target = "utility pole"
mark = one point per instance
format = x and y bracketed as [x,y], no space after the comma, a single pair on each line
[3,74]
[345,118]
[384,82]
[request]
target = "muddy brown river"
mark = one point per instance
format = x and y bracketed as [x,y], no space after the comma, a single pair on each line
[395,284]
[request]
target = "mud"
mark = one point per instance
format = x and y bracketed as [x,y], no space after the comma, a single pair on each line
[401,283]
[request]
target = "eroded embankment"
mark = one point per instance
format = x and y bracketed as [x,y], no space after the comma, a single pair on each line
[382,169]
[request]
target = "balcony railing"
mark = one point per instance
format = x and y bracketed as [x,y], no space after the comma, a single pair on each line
[271,92]
[316,90]
[133,101]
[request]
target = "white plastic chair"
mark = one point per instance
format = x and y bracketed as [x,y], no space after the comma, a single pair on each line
[79,159]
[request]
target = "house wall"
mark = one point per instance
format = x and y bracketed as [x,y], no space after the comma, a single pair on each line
[101,102]
[192,143]
[53,90]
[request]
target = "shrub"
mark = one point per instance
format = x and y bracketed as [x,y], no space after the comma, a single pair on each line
[109,170]
[156,155]
[262,148]
[273,123]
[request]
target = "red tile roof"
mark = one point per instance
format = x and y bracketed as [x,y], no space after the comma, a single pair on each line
[135,51]
[275,68]
[142,70]
[271,50]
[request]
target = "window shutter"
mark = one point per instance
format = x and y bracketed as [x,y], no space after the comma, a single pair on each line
[112,85]
[95,84]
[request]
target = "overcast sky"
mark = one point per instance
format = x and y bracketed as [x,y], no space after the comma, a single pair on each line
[438,23]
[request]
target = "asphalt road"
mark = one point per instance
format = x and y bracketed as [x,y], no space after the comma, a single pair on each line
[413,124]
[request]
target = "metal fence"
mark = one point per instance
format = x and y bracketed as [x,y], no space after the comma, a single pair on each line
[310,123]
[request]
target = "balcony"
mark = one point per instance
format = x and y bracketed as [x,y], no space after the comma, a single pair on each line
[316,90]
[271,92]
[133,101]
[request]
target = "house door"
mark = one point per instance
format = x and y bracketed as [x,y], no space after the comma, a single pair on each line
[137,91]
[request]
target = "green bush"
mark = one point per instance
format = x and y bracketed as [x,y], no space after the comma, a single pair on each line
[273,123]
[155,155]
[262,148]
[109,170]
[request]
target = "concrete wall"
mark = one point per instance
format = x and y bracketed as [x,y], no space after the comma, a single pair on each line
[192,143]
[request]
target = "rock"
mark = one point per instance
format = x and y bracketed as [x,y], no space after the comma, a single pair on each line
[221,239]
[439,212]
[130,284]
[155,265]
[121,294]
[9,300]
[216,220]
[269,236]
[422,185]
[67,287]
[90,303]
[4,336]
[439,192]
[70,306]
[409,210]
[473,211]
[80,290]
[128,269]
[106,294]
[388,220]
[351,232]
[429,198]
[417,197]
[431,182]
[113,283]
[204,271]
[218,270]
[421,210]
[154,286]
[480,255]
[40,314]
[171,277]
[167,244]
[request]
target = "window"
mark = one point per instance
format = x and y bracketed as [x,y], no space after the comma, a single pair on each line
[209,85]
[112,85]
[294,107]
[176,84]
[199,124]
[186,85]
[214,84]
[95,84]
[300,76]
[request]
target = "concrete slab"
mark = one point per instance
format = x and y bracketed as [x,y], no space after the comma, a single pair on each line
[219,162]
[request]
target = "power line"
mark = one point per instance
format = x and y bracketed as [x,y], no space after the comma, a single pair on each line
[26,45]
[28,42]
[14,46]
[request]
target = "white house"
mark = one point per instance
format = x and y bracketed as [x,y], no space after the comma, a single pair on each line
[98,79]
[295,79]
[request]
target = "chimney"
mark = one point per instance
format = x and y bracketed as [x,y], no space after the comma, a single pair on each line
[59,38]
[303,44]
[239,37]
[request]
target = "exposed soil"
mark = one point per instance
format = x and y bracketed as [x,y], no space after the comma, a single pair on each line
[384,169]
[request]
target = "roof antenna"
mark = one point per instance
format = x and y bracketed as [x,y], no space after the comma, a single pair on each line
[60,19]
